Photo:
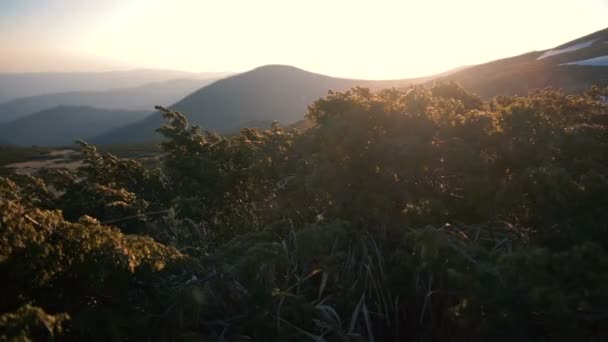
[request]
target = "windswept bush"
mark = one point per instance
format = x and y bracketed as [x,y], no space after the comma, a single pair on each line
[418,214]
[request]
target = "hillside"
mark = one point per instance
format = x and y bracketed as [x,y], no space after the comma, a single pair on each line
[63,125]
[16,85]
[573,66]
[144,97]
[273,92]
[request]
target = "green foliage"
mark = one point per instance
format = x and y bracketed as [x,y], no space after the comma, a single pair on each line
[83,268]
[31,323]
[226,184]
[422,214]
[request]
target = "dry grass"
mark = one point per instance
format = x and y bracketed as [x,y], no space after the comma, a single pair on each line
[57,159]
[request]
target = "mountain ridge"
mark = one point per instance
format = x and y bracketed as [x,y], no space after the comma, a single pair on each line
[143,97]
[62,125]
[517,75]
[16,85]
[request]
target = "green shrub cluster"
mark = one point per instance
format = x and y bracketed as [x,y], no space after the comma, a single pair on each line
[419,214]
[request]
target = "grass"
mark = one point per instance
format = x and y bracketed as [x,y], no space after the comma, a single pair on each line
[132,150]
[14,154]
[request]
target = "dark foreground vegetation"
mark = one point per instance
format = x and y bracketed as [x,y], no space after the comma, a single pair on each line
[418,215]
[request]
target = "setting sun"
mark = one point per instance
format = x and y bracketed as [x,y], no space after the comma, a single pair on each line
[359,39]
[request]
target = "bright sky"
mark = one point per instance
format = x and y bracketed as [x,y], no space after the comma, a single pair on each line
[376,39]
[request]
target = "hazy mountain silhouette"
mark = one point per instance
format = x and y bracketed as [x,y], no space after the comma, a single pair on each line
[273,92]
[16,85]
[144,97]
[63,125]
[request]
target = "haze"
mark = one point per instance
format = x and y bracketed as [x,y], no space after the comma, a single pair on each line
[378,39]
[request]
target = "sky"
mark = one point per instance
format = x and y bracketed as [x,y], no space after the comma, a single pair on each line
[374,39]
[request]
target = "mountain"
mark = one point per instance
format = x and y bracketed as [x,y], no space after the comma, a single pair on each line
[283,93]
[273,92]
[144,97]
[573,66]
[268,93]
[63,125]
[16,85]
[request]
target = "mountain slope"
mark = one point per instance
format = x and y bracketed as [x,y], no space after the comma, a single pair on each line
[273,92]
[561,67]
[16,85]
[144,97]
[63,125]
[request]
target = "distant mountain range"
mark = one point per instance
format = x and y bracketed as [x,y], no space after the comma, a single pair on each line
[16,85]
[63,125]
[143,97]
[282,93]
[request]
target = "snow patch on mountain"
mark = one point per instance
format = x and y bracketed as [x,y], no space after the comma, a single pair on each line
[567,49]
[597,61]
